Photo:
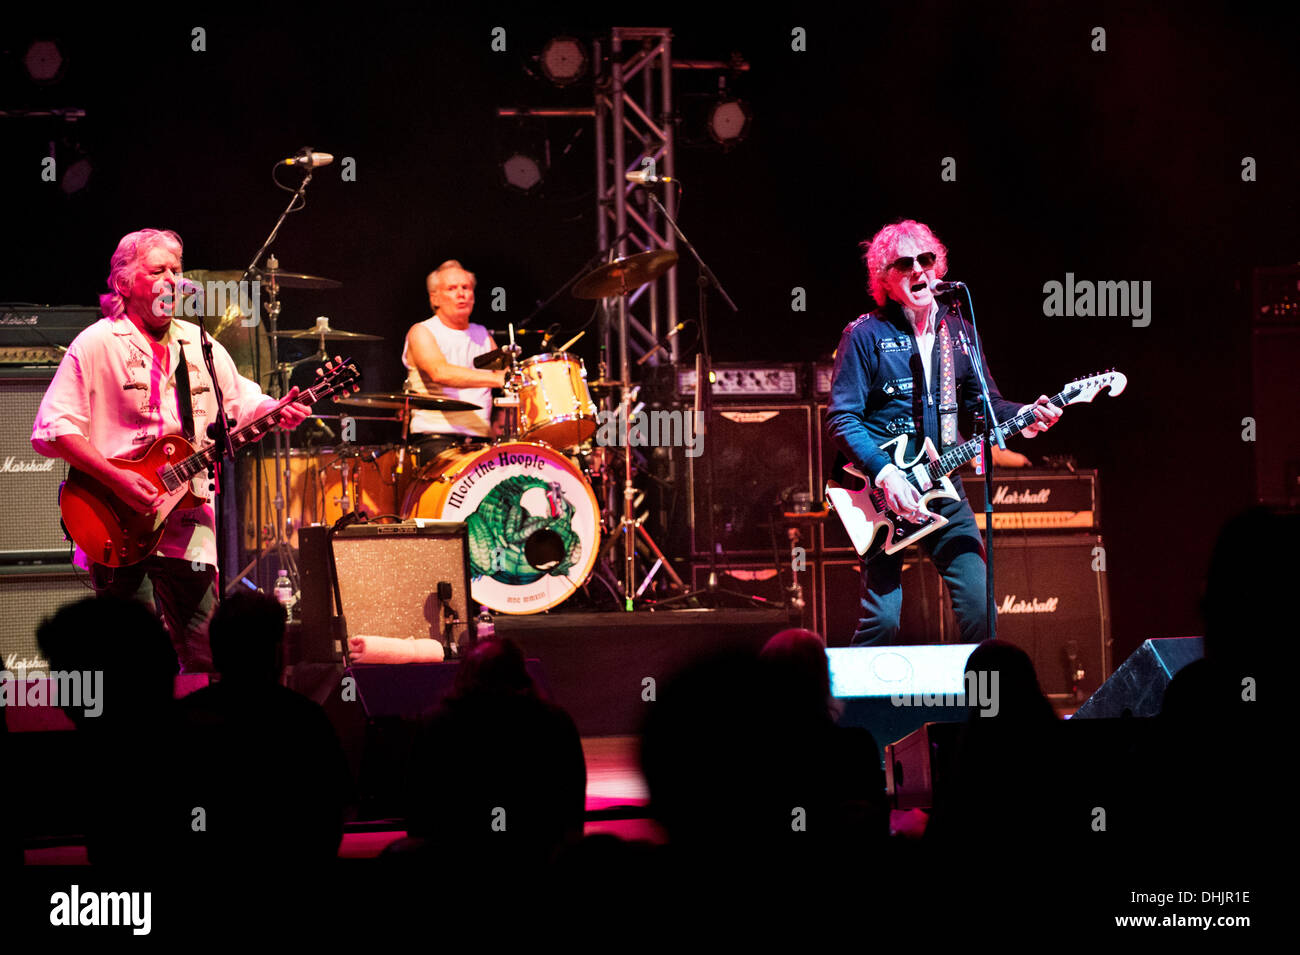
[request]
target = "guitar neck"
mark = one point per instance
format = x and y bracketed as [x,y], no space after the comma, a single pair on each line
[200,461]
[955,457]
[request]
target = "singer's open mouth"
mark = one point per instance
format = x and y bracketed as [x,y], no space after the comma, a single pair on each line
[920,285]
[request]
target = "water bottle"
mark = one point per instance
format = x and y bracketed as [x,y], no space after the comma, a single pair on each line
[284,592]
[485,627]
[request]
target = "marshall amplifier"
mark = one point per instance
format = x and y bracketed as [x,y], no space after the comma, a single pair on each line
[1033,500]
[1053,602]
[29,484]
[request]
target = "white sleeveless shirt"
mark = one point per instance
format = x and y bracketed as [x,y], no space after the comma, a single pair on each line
[459,348]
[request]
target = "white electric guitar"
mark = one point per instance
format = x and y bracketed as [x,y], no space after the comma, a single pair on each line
[865,513]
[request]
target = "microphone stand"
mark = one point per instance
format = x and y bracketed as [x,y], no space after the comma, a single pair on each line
[704,411]
[280,387]
[992,430]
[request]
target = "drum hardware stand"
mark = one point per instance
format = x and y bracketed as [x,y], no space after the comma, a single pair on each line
[703,411]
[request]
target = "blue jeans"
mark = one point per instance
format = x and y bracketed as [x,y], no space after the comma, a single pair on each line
[958,553]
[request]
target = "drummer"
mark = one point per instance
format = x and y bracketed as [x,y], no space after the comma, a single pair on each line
[439,355]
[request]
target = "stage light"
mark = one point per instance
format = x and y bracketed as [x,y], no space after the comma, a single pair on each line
[77,176]
[729,121]
[563,60]
[44,61]
[522,172]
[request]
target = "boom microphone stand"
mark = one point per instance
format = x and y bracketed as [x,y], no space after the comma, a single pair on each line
[703,412]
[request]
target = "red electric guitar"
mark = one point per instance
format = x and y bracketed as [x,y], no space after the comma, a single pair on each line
[115,534]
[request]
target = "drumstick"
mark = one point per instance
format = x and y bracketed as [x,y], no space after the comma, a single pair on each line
[565,346]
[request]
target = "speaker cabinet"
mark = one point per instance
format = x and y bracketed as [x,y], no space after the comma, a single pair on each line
[29,595]
[389,577]
[29,504]
[761,454]
[1055,607]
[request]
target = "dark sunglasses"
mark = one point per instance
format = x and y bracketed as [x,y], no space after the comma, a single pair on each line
[904,264]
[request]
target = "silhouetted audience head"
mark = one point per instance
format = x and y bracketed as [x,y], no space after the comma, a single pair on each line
[796,660]
[1006,670]
[246,632]
[123,640]
[494,667]
[1252,570]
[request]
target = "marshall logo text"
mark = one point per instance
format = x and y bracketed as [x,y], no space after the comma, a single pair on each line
[14,465]
[1011,605]
[1004,495]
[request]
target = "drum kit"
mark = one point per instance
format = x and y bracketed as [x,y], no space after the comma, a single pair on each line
[528,495]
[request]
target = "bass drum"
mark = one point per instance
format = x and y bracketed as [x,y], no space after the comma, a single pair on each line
[533,522]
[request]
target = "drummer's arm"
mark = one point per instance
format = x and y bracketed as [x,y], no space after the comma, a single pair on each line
[429,359]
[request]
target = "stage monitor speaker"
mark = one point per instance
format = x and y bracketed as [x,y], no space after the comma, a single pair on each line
[29,595]
[389,578]
[761,455]
[1137,688]
[29,506]
[886,689]
[1053,605]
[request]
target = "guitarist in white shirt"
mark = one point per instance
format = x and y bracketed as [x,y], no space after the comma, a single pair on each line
[888,382]
[116,392]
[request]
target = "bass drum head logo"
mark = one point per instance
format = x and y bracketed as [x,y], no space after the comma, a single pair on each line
[532,522]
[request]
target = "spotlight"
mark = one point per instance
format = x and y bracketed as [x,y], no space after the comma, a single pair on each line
[76,176]
[44,62]
[522,172]
[729,121]
[563,60]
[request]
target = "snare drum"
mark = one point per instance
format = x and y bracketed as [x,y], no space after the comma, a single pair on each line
[533,522]
[554,403]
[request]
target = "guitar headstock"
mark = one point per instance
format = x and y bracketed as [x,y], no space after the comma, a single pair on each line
[1085,389]
[337,377]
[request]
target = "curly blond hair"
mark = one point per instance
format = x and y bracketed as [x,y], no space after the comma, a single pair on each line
[882,251]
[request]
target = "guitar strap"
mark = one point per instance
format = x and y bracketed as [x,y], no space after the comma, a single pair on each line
[947,390]
[183,396]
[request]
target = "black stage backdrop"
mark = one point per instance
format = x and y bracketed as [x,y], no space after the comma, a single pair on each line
[1119,165]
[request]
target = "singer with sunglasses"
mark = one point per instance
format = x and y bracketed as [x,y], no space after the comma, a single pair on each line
[892,369]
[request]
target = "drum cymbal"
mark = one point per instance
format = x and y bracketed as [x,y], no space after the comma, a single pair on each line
[602,386]
[329,334]
[626,274]
[398,400]
[284,279]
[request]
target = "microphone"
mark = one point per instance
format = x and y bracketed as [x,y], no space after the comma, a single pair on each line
[660,345]
[309,159]
[940,288]
[644,177]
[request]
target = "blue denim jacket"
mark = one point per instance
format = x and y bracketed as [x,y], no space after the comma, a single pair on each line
[879,390]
